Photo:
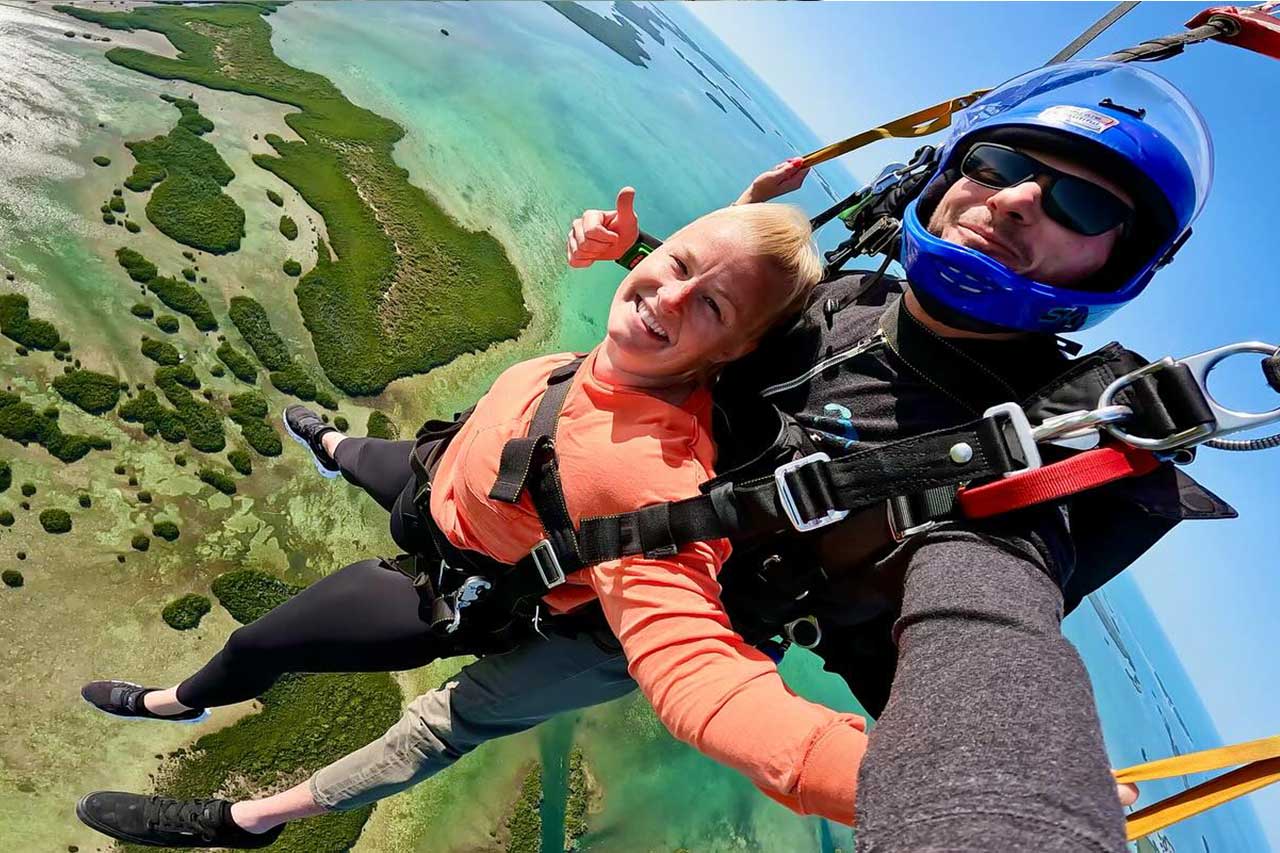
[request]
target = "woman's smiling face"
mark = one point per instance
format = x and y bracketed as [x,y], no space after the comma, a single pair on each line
[699,300]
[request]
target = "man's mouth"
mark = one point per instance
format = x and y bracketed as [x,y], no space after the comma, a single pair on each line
[990,244]
[650,322]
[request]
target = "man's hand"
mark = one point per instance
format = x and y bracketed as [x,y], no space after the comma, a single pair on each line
[780,180]
[1128,793]
[604,235]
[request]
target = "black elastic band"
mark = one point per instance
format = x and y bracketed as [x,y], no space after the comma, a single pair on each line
[1271,370]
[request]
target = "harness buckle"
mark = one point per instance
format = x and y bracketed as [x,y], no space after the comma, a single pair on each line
[1226,421]
[804,632]
[547,564]
[467,594]
[1022,432]
[899,527]
[789,505]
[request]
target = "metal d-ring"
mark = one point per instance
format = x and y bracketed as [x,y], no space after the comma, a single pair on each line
[1226,421]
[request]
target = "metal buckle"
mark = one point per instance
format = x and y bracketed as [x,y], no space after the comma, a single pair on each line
[898,532]
[789,502]
[1022,431]
[1201,365]
[469,593]
[547,564]
[789,631]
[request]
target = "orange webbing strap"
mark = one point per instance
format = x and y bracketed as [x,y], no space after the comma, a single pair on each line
[922,123]
[1261,760]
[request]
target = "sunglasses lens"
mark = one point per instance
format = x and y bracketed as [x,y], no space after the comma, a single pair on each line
[1084,207]
[996,167]
[1072,202]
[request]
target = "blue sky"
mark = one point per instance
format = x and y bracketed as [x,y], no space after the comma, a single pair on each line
[844,67]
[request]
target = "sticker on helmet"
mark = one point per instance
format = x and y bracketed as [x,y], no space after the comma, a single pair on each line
[1081,117]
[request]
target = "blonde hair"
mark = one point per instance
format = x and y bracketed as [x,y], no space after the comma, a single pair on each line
[779,234]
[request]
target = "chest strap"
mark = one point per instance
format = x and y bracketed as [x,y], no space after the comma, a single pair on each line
[529,464]
[919,481]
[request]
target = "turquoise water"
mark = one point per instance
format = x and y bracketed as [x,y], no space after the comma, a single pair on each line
[1150,710]
[517,120]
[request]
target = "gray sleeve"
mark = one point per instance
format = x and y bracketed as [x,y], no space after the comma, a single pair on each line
[990,740]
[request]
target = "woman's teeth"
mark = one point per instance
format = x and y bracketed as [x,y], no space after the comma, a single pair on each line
[650,321]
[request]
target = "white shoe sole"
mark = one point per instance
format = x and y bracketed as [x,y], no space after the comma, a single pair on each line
[324,472]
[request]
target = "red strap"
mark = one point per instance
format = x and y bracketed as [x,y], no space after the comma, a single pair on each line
[1081,472]
[1258,31]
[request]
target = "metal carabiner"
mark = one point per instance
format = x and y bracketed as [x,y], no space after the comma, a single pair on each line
[1226,421]
[1067,429]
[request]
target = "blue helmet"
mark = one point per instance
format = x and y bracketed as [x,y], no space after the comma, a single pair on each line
[1126,124]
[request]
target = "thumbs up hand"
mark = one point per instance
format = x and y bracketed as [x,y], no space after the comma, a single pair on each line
[604,235]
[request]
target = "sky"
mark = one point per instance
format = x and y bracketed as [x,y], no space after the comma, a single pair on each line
[845,67]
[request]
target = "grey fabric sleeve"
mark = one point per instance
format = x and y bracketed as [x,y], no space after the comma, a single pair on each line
[990,740]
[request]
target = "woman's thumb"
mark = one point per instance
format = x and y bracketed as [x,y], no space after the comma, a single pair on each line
[625,205]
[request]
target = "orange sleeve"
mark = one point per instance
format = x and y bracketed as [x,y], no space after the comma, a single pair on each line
[720,695]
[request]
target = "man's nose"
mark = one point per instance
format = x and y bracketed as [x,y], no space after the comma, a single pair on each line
[1020,202]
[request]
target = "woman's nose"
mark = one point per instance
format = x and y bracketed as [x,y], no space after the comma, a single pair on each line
[672,295]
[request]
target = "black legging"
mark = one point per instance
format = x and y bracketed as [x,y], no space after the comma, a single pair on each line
[363,618]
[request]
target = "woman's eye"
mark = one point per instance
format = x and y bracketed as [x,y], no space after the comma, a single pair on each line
[715,307]
[680,267]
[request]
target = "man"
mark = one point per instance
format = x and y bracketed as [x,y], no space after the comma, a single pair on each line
[1054,201]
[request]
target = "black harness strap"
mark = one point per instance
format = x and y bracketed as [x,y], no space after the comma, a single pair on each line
[919,467]
[520,454]
[529,463]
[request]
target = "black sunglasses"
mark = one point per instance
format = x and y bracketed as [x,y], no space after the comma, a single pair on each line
[1071,201]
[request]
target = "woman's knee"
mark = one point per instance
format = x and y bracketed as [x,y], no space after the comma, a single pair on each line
[248,644]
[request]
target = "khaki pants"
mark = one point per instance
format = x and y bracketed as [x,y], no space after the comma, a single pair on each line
[495,696]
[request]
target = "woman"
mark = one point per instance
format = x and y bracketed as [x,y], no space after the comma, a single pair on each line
[634,429]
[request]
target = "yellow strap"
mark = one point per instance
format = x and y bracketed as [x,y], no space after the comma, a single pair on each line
[922,123]
[1203,797]
[1261,760]
[1200,762]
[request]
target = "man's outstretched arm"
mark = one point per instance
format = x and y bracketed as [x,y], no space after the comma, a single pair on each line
[990,740]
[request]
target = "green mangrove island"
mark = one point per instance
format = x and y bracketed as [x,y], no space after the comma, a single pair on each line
[403,288]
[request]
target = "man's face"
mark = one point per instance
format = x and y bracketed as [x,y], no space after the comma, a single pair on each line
[1011,227]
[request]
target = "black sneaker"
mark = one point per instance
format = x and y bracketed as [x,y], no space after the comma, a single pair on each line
[164,822]
[305,427]
[122,699]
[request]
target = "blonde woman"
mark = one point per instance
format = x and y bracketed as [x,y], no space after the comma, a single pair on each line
[634,429]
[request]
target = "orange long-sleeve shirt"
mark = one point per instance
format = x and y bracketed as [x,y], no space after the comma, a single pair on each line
[620,449]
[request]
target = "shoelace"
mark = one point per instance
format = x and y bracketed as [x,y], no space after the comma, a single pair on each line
[186,817]
[132,699]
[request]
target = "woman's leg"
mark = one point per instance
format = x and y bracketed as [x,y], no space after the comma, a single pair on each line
[363,618]
[378,466]
[493,697]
